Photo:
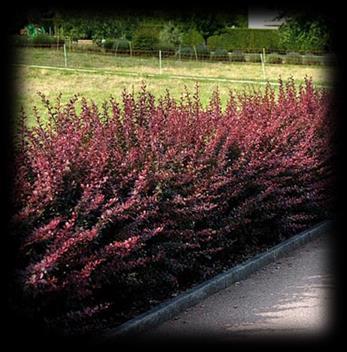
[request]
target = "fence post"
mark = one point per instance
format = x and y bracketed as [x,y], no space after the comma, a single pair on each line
[115,53]
[262,57]
[131,51]
[159,61]
[65,55]
[195,52]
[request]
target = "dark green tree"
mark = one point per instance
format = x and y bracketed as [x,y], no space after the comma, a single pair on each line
[306,30]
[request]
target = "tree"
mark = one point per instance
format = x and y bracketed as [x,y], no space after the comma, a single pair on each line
[210,23]
[306,30]
[171,34]
[193,38]
[305,34]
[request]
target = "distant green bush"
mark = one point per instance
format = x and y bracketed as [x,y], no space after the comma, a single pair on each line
[313,40]
[237,56]
[192,38]
[171,36]
[122,44]
[220,54]
[187,52]
[215,42]
[273,59]
[115,44]
[45,39]
[146,37]
[39,39]
[165,46]
[107,44]
[310,38]
[253,57]
[245,39]
[312,60]
[202,51]
[293,58]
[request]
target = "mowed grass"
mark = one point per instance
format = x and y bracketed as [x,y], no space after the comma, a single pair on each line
[111,75]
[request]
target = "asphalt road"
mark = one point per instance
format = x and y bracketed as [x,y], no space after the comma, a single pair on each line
[290,297]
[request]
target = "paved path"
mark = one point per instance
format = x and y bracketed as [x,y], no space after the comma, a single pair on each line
[290,297]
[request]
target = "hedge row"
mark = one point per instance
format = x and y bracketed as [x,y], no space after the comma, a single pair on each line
[202,52]
[119,207]
[40,39]
[245,39]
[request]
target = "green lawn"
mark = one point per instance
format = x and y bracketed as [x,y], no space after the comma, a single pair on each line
[97,76]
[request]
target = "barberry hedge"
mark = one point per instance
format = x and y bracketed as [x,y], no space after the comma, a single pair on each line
[120,206]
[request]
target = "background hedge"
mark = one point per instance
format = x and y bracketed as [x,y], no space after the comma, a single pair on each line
[146,37]
[245,39]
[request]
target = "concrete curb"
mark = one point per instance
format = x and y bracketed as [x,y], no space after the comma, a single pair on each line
[172,307]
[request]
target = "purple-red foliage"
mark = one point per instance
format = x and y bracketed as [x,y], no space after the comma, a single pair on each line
[141,198]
